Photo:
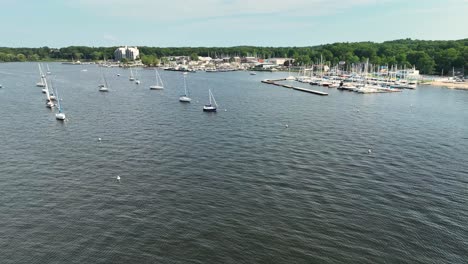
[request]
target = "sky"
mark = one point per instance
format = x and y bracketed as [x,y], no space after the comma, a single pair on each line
[225,23]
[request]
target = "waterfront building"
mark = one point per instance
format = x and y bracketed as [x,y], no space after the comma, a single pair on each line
[130,53]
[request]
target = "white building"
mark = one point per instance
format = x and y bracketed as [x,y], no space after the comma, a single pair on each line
[130,53]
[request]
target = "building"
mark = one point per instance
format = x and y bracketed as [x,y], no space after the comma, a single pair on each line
[130,53]
[278,61]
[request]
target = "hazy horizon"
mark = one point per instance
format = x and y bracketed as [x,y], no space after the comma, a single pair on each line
[227,23]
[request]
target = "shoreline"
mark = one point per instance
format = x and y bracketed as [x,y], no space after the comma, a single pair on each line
[453,85]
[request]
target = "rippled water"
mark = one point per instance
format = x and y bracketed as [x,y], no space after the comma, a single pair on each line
[235,186]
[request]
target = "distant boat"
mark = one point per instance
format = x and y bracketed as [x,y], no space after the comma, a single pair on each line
[41,83]
[131,78]
[253,73]
[60,115]
[159,83]
[49,102]
[137,81]
[48,70]
[103,87]
[184,98]
[211,107]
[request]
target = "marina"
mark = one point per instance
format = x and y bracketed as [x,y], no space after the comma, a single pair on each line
[274,82]
[271,157]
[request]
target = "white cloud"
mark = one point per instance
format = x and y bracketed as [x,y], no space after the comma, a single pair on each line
[174,10]
[109,37]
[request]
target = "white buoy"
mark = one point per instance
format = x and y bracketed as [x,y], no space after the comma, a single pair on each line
[286,125]
[369,151]
[118,178]
[99,139]
[225,110]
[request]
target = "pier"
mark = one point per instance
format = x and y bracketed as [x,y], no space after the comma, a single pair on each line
[273,82]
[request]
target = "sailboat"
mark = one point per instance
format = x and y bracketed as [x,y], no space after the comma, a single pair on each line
[159,83]
[137,81]
[131,75]
[41,74]
[211,107]
[104,87]
[60,115]
[184,98]
[290,77]
[49,102]
[48,70]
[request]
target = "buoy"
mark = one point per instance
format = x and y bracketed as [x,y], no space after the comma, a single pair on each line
[225,110]
[99,139]
[369,151]
[118,178]
[286,125]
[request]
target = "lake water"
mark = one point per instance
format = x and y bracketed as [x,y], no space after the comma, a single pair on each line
[236,186]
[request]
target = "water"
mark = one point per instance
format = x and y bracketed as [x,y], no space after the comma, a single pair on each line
[235,186]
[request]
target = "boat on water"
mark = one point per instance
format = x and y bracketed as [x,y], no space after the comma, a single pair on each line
[41,82]
[253,73]
[103,87]
[137,80]
[60,115]
[48,70]
[159,83]
[49,102]
[131,78]
[212,106]
[184,98]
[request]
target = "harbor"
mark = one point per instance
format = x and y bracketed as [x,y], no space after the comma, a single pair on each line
[274,82]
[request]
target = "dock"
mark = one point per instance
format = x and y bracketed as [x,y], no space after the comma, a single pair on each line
[273,82]
[310,91]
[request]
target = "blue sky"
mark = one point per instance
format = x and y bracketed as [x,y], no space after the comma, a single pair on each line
[176,23]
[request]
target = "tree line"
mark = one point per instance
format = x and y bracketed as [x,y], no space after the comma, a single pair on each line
[428,56]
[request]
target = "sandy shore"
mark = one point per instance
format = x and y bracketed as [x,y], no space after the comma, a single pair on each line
[455,85]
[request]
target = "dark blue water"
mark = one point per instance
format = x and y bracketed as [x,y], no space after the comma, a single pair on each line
[235,186]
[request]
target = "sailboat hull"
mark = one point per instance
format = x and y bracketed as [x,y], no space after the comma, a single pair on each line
[156,87]
[60,116]
[209,108]
[185,99]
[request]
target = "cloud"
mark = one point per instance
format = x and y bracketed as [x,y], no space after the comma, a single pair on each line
[109,37]
[177,10]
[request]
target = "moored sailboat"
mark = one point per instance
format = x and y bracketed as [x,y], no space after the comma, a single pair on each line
[184,98]
[212,106]
[159,83]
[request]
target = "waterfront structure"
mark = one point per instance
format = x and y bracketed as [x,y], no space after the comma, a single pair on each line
[129,53]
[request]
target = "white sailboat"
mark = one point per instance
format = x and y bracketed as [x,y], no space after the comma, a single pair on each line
[159,83]
[49,102]
[104,87]
[60,115]
[212,106]
[184,98]
[41,74]
[137,81]
[48,70]
[131,78]
[290,77]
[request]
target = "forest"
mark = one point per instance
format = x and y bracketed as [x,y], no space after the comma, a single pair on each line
[430,57]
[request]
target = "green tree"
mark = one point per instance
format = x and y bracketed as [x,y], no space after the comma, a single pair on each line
[20,57]
[422,61]
[194,57]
